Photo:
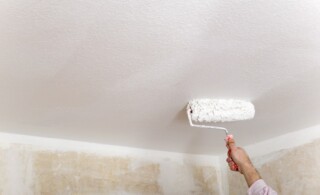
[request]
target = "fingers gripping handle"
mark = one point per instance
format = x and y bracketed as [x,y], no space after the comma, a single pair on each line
[234,165]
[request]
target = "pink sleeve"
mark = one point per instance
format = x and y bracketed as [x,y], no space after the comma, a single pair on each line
[259,187]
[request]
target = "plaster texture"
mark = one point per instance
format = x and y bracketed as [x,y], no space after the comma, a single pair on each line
[288,163]
[121,72]
[289,172]
[36,165]
[44,167]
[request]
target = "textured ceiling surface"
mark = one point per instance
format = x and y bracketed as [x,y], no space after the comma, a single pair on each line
[122,72]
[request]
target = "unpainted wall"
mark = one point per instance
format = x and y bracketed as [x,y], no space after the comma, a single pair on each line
[292,171]
[27,169]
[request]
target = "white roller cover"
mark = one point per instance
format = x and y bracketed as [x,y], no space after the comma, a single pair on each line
[220,110]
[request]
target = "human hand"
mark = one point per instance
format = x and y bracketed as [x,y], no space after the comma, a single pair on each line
[237,159]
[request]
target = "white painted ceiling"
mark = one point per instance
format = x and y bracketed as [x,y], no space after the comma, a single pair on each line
[121,72]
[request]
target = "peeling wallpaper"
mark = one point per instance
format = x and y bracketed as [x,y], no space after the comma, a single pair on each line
[293,171]
[32,169]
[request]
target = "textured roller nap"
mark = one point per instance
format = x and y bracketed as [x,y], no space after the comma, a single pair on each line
[220,110]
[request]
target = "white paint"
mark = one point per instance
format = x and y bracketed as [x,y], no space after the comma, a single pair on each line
[224,184]
[19,179]
[220,110]
[12,172]
[175,175]
[221,176]
[122,72]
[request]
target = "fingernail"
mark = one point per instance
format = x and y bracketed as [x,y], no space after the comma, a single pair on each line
[229,137]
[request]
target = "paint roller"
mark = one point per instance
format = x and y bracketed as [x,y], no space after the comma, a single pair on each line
[219,110]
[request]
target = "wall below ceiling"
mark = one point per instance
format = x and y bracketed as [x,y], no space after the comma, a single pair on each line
[33,162]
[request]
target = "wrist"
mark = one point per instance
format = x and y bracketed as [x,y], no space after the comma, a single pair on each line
[250,173]
[247,166]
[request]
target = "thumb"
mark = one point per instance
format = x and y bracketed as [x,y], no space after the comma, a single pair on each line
[231,144]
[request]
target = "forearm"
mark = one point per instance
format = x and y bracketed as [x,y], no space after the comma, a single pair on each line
[250,173]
